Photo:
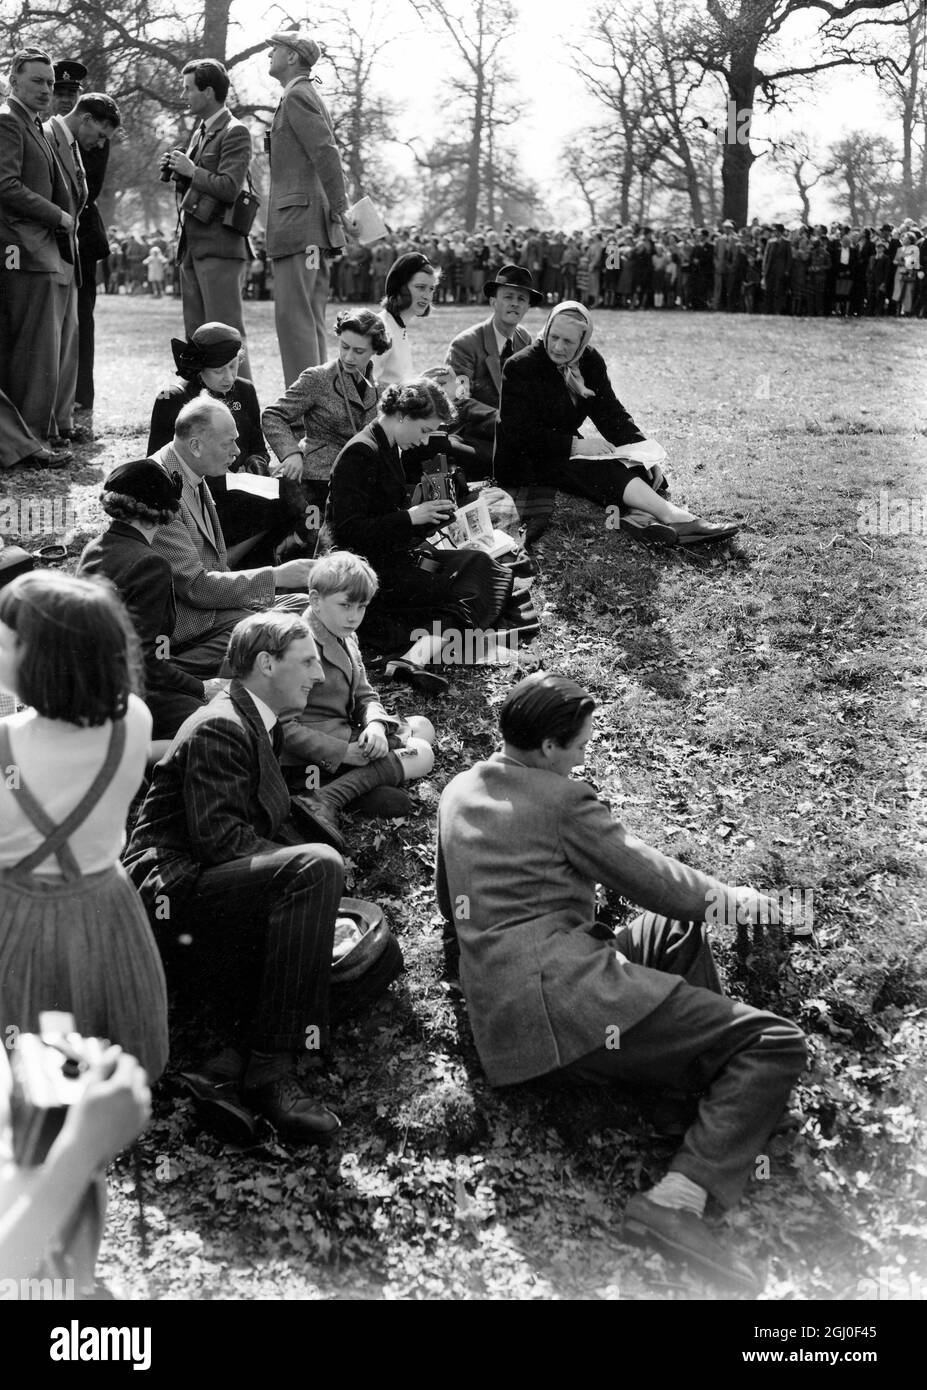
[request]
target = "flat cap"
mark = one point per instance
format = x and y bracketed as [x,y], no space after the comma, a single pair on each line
[300,42]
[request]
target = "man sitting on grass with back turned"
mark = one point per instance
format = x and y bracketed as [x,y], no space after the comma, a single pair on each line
[521,847]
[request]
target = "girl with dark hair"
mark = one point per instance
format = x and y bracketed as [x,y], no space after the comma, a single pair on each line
[460,591]
[73,933]
[410,289]
[330,404]
[208,362]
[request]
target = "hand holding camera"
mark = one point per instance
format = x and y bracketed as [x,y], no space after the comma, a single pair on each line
[434,513]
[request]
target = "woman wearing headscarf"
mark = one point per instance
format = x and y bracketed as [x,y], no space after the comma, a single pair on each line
[548,391]
[208,361]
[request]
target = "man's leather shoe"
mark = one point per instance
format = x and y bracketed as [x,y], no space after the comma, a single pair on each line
[693,532]
[319,820]
[293,1113]
[685,1235]
[219,1106]
[47,458]
[77,434]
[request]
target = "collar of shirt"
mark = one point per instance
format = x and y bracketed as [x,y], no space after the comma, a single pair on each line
[33,115]
[293,81]
[268,718]
[188,474]
[208,125]
[501,340]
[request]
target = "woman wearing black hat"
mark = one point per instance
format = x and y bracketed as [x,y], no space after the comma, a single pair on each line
[208,361]
[139,497]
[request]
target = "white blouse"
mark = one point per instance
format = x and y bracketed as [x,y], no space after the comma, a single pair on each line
[396,365]
[58,761]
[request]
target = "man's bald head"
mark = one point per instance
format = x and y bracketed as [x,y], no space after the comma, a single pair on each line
[206,437]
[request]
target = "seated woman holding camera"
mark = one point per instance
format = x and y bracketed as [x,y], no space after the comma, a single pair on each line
[330,404]
[548,390]
[457,591]
[73,933]
[208,362]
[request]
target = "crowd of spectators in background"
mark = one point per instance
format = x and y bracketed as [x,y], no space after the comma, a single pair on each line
[802,270]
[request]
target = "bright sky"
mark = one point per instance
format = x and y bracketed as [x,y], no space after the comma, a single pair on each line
[417,65]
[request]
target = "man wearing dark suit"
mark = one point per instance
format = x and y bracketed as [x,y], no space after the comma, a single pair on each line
[139,497]
[479,354]
[521,847]
[211,598]
[216,842]
[306,205]
[36,236]
[209,175]
[777,265]
[83,131]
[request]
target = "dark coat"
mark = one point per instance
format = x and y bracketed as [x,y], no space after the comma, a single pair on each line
[220,173]
[241,400]
[475,355]
[143,578]
[217,795]
[539,418]
[33,193]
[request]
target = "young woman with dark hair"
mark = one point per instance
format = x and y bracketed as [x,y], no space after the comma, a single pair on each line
[459,591]
[73,933]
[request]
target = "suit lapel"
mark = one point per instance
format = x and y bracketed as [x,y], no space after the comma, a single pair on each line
[271,791]
[492,355]
[189,502]
[35,134]
[332,649]
[62,152]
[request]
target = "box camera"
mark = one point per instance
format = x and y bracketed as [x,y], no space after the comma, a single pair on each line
[49,1074]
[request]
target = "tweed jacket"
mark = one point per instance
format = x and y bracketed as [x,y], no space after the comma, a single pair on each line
[76,183]
[520,851]
[539,418]
[329,406]
[143,578]
[217,795]
[475,354]
[218,178]
[33,193]
[306,178]
[338,707]
[203,583]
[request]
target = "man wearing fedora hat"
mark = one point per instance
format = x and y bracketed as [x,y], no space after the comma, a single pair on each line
[476,356]
[306,206]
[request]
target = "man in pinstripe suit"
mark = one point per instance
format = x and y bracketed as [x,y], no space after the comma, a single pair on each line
[217,856]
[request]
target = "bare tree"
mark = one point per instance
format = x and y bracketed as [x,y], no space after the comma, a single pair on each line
[478,31]
[794,156]
[731,41]
[904,76]
[862,163]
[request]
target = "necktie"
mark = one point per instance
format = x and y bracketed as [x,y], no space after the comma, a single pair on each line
[276,739]
[201,494]
[198,141]
[506,352]
[79,171]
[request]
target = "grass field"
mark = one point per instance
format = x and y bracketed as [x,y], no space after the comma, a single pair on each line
[760,714]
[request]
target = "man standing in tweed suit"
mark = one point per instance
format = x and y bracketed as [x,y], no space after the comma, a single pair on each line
[210,174]
[307,203]
[211,598]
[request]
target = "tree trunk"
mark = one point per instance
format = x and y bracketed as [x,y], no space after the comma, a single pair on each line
[472,190]
[737,157]
[693,186]
[215,29]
